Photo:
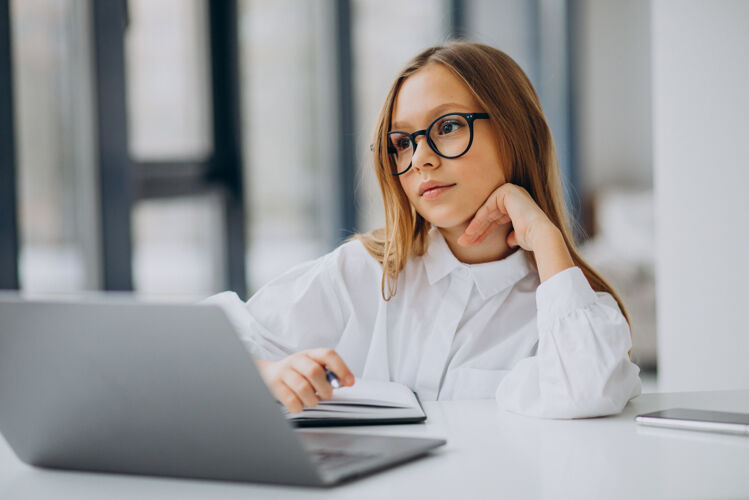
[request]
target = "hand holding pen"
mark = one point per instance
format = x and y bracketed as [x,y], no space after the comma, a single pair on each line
[300,380]
[334,382]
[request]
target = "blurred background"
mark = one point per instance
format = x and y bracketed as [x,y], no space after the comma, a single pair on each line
[177,148]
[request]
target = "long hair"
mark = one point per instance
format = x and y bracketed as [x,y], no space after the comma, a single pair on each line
[525,144]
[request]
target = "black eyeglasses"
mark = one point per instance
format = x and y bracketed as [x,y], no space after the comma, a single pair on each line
[449,135]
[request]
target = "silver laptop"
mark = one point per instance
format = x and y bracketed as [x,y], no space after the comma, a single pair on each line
[156,389]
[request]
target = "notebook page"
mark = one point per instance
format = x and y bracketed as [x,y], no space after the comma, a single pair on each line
[374,392]
[360,413]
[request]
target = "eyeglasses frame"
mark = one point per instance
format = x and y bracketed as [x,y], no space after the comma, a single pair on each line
[469,117]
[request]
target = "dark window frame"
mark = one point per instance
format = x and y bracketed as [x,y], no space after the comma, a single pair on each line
[9,279]
[347,165]
[123,182]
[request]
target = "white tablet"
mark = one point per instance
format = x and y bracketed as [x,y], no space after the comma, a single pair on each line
[698,420]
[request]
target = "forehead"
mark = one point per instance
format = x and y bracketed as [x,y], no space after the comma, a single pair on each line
[431,91]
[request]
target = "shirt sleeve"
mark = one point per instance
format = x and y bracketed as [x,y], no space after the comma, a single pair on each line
[296,311]
[581,367]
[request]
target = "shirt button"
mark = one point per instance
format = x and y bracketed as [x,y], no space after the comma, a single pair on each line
[463,272]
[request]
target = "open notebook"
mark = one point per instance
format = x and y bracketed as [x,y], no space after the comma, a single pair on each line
[366,402]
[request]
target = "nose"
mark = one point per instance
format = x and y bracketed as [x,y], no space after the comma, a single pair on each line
[423,156]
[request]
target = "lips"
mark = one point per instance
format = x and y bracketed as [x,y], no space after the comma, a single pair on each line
[426,187]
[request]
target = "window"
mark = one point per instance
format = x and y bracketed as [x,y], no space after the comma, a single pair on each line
[57,213]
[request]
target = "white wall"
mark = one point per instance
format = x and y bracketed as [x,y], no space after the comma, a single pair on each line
[613,94]
[506,25]
[701,175]
[613,79]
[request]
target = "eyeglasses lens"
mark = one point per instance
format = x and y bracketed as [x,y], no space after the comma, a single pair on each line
[450,135]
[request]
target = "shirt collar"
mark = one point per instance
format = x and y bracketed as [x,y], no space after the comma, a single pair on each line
[490,277]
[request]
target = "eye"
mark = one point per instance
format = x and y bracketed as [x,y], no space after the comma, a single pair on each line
[400,142]
[449,125]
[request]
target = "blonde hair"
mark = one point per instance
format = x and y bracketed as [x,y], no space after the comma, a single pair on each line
[526,148]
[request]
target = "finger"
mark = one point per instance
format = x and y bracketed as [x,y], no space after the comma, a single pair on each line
[301,387]
[288,397]
[491,214]
[512,240]
[466,240]
[331,359]
[479,223]
[478,239]
[315,374]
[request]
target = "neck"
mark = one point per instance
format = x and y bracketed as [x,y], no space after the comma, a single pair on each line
[494,247]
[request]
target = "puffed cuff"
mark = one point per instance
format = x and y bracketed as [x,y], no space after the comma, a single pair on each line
[562,294]
[240,319]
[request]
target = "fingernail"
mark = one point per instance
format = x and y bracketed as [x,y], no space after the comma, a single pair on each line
[349,379]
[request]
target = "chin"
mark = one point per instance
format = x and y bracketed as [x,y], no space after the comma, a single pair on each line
[445,220]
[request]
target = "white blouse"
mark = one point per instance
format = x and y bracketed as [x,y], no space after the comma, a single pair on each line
[453,330]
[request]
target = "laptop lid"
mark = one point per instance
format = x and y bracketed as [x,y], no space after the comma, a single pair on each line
[139,388]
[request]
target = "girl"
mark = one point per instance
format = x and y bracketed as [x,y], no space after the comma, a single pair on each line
[473,289]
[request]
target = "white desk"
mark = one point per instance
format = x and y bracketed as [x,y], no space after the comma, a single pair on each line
[489,453]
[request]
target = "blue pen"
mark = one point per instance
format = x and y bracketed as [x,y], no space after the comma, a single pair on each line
[332,378]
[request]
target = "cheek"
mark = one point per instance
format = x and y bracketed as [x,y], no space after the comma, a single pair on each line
[487,173]
[483,185]
[487,158]
[409,184]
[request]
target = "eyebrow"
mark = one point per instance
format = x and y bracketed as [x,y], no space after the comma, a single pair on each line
[432,114]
